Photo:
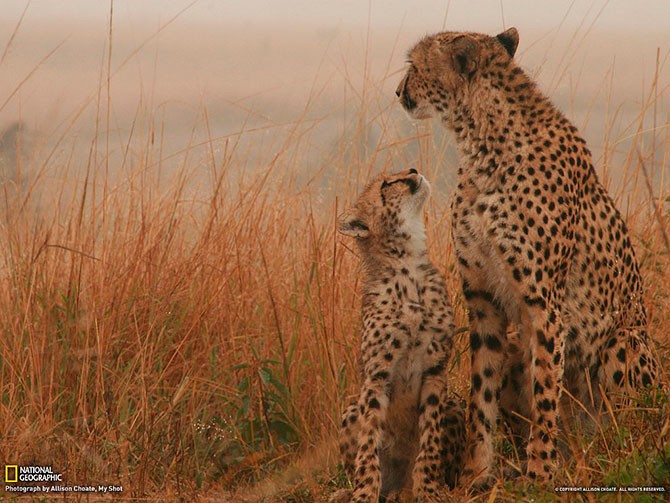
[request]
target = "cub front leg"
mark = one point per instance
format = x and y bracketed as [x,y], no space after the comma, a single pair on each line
[452,417]
[373,406]
[429,470]
[349,433]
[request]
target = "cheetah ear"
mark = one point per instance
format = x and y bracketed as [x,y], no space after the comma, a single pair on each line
[350,224]
[509,40]
[465,54]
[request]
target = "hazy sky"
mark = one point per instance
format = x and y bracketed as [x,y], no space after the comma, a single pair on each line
[259,62]
[463,14]
[261,58]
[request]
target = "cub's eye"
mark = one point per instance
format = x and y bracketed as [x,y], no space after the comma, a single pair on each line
[388,184]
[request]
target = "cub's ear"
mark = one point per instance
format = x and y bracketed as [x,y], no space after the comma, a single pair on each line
[350,224]
[509,40]
[465,55]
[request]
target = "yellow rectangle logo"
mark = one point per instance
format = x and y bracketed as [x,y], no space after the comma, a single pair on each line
[11,473]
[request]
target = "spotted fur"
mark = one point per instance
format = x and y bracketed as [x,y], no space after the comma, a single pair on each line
[402,431]
[540,244]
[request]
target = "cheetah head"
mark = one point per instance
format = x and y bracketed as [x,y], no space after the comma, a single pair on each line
[444,67]
[387,218]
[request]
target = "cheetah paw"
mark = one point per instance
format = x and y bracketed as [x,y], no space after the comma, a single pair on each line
[341,496]
[477,483]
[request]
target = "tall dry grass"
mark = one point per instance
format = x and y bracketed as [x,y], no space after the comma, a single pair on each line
[190,338]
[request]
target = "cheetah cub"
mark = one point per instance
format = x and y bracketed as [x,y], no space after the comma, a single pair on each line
[402,423]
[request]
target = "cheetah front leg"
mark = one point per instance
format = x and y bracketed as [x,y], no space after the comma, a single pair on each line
[487,342]
[428,470]
[546,343]
[373,406]
[515,396]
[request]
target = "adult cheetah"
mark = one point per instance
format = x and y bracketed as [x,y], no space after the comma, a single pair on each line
[539,244]
[402,423]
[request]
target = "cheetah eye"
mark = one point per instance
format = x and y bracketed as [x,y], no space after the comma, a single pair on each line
[358,224]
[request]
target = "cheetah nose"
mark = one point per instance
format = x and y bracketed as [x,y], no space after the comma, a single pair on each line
[406,100]
[402,93]
[413,171]
[401,86]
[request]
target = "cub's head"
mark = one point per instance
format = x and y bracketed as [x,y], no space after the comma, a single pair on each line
[443,67]
[387,218]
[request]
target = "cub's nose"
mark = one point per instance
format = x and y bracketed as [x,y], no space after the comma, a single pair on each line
[413,171]
[398,91]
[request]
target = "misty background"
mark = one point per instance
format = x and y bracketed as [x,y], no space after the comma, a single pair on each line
[188,76]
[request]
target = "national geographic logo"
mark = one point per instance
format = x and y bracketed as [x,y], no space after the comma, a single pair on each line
[11,473]
[16,473]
